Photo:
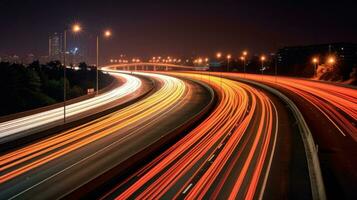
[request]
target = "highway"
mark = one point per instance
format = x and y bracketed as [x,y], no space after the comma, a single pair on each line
[228,155]
[17,128]
[248,147]
[330,111]
[72,158]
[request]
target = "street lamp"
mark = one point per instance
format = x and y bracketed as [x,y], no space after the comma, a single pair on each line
[315,61]
[107,34]
[228,59]
[218,55]
[243,58]
[199,61]
[262,58]
[245,53]
[75,29]
[331,60]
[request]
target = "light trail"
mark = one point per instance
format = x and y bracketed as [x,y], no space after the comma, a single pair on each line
[18,162]
[337,103]
[226,156]
[11,127]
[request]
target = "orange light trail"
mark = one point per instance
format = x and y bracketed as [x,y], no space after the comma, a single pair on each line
[240,130]
[20,161]
[337,103]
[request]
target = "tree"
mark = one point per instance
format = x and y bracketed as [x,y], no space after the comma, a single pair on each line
[83,66]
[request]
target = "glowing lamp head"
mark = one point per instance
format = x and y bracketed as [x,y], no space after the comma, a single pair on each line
[206,59]
[242,58]
[229,56]
[199,60]
[331,60]
[219,55]
[315,60]
[76,28]
[262,58]
[107,33]
[245,53]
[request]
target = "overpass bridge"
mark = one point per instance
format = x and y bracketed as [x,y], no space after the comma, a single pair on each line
[148,66]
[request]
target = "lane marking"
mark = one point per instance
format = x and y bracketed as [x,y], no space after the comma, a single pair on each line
[211,158]
[271,155]
[188,187]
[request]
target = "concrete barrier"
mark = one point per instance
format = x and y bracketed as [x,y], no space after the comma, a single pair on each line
[316,181]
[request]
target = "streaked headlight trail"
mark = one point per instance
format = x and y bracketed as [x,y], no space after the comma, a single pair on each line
[338,104]
[24,159]
[29,122]
[227,156]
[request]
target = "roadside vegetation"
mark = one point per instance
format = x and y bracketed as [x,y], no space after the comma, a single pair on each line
[36,85]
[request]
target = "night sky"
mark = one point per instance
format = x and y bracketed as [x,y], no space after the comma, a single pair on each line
[147,28]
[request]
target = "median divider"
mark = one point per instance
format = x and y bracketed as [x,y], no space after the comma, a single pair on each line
[25,137]
[96,187]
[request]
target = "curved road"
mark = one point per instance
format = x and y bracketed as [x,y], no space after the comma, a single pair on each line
[34,123]
[72,158]
[330,111]
[228,155]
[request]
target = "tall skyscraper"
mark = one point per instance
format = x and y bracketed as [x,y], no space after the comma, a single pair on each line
[55,48]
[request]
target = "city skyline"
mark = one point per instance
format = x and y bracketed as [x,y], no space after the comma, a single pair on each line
[158,28]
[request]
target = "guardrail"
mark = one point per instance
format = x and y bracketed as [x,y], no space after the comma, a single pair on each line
[316,180]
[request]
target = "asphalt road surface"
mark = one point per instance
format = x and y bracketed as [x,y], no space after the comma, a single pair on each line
[330,111]
[20,127]
[55,166]
[229,155]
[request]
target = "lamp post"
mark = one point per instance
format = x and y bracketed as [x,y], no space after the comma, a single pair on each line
[228,59]
[262,58]
[75,29]
[199,61]
[245,53]
[107,34]
[331,60]
[315,61]
[218,56]
[242,58]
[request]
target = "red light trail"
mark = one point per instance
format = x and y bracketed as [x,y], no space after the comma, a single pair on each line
[233,145]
